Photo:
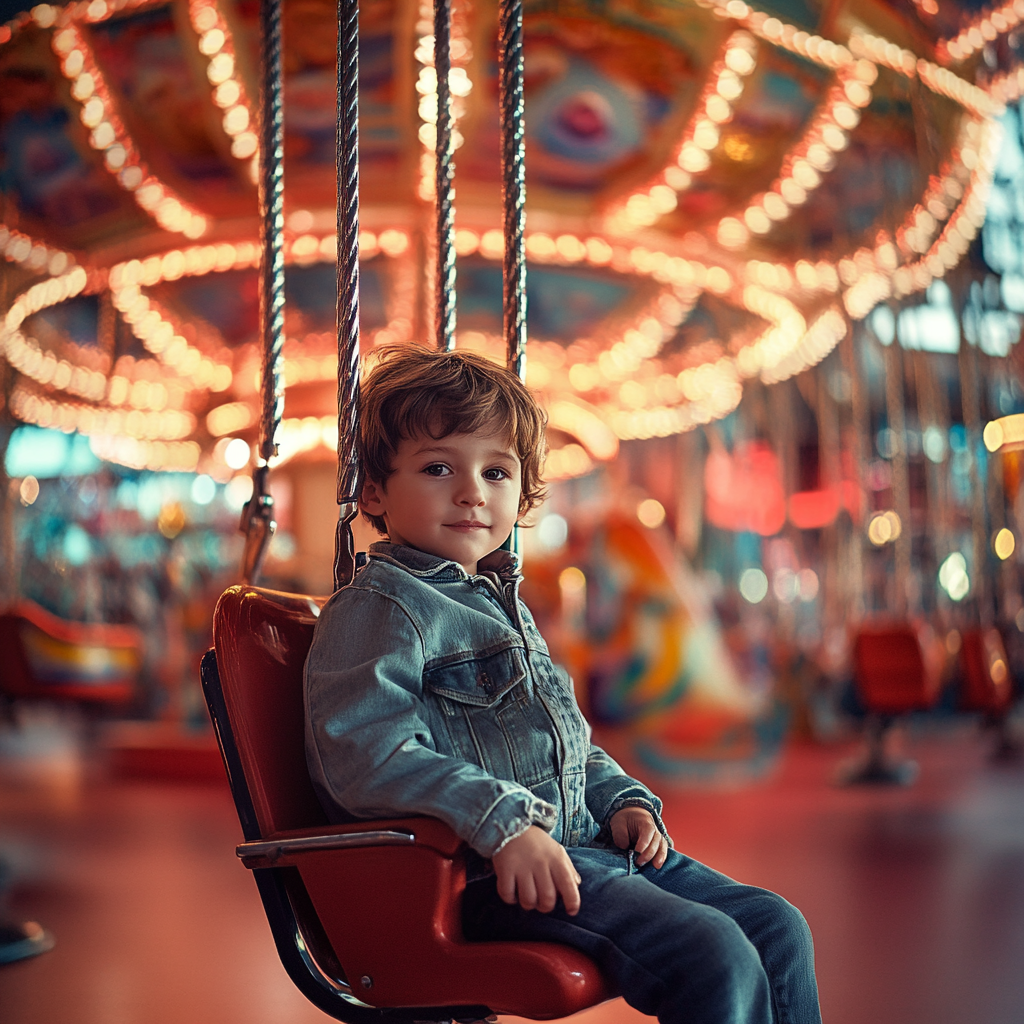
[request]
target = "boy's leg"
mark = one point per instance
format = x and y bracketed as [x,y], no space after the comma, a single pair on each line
[774,926]
[681,960]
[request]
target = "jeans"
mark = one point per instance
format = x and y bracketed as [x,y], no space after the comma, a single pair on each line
[683,943]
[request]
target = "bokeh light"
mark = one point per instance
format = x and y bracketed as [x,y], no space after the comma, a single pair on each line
[1003,544]
[204,489]
[237,453]
[884,528]
[753,585]
[29,490]
[953,576]
[651,513]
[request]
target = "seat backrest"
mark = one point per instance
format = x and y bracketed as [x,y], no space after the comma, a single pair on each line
[261,638]
[893,670]
[987,685]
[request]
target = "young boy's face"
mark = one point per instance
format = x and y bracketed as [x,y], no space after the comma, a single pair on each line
[456,497]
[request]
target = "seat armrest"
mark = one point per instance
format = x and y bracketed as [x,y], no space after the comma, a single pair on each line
[422,832]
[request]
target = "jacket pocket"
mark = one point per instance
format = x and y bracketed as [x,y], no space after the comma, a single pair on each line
[478,681]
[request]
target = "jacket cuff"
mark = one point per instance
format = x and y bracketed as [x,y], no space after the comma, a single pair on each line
[652,806]
[509,818]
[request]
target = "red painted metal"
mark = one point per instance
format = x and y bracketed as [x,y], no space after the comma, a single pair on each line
[391,913]
[987,685]
[896,668]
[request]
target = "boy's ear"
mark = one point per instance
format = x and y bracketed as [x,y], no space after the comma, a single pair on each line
[370,498]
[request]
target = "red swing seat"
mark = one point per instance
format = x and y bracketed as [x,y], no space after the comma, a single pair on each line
[52,659]
[365,913]
[987,686]
[895,669]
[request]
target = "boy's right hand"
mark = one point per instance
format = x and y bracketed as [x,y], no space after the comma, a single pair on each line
[538,870]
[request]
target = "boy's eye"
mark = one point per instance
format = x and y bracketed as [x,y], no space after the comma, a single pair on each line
[436,469]
[496,473]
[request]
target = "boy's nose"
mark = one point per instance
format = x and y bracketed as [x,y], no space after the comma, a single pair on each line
[471,495]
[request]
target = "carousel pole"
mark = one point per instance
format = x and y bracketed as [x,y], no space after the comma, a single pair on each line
[513,192]
[830,473]
[258,523]
[895,414]
[8,503]
[348,289]
[513,181]
[970,393]
[860,419]
[8,547]
[445,172]
[932,412]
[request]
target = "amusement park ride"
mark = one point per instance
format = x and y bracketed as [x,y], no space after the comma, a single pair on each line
[717,191]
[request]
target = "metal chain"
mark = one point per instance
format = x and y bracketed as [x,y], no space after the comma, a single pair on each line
[257,521]
[513,180]
[348,287]
[445,169]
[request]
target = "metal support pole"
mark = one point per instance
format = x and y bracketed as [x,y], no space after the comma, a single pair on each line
[258,523]
[513,180]
[445,151]
[348,289]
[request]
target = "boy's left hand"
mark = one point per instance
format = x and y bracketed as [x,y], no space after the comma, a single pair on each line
[634,828]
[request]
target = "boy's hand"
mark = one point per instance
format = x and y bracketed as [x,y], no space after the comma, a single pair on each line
[634,828]
[538,870]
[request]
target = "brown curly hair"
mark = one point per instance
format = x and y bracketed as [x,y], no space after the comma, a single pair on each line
[413,391]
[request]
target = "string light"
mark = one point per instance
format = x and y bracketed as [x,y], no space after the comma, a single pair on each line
[1009,87]
[31,254]
[231,418]
[803,168]
[725,83]
[30,360]
[981,139]
[159,456]
[567,463]
[986,29]
[624,368]
[152,325]
[31,406]
[108,133]
[216,44]
[817,342]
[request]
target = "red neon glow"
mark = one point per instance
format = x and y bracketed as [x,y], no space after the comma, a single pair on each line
[743,490]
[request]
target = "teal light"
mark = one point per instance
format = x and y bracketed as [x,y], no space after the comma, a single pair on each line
[77,545]
[42,453]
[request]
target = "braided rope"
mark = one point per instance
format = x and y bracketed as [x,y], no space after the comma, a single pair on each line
[348,285]
[257,522]
[513,181]
[445,178]
[271,198]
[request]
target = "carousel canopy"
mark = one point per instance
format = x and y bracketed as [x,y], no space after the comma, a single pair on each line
[714,191]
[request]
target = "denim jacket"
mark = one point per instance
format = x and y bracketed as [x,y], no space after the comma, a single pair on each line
[430,691]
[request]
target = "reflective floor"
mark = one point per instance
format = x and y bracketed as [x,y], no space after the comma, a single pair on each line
[915,897]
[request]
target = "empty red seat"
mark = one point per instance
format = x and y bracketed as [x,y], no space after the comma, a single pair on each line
[987,685]
[897,668]
[369,911]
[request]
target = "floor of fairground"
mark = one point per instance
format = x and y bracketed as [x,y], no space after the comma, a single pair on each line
[915,896]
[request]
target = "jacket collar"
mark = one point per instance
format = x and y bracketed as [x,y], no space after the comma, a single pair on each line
[502,564]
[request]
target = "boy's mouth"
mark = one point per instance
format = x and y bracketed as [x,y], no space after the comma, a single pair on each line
[467,525]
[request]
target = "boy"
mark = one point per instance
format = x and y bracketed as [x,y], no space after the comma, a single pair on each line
[430,691]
